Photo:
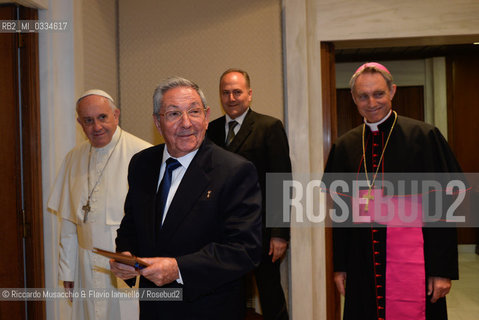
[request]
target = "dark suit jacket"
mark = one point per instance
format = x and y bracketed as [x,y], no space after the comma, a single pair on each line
[263,141]
[212,228]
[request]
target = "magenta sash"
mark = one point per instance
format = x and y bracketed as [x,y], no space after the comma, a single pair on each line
[405,270]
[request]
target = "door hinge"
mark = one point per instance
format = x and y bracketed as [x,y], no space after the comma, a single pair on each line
[21,39]
[25,225]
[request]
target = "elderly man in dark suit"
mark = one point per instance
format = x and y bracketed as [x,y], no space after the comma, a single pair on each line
[262,140]
[193,213]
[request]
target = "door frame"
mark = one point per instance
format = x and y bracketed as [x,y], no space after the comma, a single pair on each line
[330,132]
[32,162]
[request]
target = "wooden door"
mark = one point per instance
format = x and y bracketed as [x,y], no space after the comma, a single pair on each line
[463,117]
[11,228]
[330,129]
[21,230]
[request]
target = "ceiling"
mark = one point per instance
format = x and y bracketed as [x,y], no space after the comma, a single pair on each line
[403,53]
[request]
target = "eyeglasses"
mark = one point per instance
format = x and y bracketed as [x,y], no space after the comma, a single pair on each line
[193,113]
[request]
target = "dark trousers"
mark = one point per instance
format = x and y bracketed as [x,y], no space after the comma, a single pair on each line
[271,295]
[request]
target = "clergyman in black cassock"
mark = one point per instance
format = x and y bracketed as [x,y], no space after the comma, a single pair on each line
[408,146]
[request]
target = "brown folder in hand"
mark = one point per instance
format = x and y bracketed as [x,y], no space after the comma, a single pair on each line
[122,258]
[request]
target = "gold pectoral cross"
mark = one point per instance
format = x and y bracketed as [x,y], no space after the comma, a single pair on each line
[86,208]
[368,197]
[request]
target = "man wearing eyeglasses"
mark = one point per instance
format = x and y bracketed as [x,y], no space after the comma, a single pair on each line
[88,195]
[262,140]
[192,213]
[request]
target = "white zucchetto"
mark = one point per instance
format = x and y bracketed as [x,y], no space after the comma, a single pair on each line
[96,92]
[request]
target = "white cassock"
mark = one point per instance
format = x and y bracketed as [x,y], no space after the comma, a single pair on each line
[69,194]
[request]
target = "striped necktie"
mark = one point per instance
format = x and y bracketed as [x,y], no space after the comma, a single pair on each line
[231,133]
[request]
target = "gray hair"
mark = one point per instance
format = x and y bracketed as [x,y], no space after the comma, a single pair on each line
[372,69]
[170,83]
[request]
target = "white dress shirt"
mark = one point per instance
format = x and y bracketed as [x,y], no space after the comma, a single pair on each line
[176,176]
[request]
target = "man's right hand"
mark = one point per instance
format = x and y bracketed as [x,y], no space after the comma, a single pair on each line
[340,280]
[69,285]
[121,270]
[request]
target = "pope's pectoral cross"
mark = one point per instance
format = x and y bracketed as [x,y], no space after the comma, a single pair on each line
[367,197]
[86,208]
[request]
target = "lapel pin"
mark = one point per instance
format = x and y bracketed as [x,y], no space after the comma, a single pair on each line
[208,194]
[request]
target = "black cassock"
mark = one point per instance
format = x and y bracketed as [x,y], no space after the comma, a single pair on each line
[413,147]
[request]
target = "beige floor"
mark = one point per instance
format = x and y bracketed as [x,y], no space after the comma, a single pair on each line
[463,300]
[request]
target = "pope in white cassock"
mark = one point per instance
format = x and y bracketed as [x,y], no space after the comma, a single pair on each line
[88,195]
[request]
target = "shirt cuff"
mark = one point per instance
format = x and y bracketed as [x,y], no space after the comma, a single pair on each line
[180,279]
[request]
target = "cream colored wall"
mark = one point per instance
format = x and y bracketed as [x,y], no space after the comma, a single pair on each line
[39,4]
[197,40]
[100,67]
[95,47]
[372,19]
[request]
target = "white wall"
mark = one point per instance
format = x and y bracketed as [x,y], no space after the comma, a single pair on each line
[58,129]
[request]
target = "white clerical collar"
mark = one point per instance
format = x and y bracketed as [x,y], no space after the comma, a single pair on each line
[112,143]
[239,119]
[374,126]
[184,160]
